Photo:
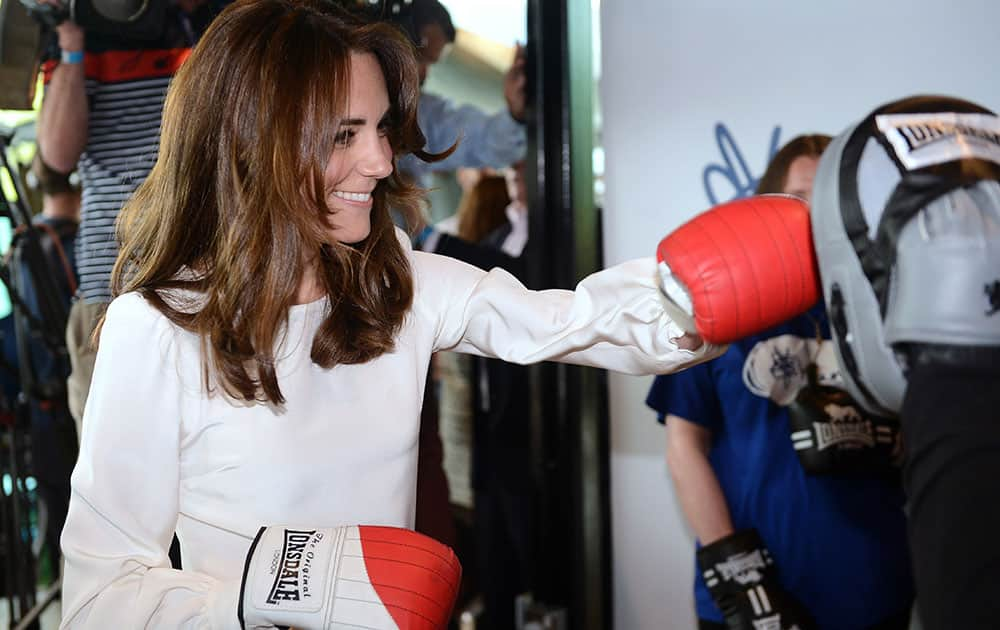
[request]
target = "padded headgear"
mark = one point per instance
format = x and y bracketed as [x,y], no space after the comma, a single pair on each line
[906,224]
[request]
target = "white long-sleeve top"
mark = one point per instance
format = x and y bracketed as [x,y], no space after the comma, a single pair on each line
[158,454]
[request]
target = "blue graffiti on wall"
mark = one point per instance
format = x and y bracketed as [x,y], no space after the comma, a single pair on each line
[734,169]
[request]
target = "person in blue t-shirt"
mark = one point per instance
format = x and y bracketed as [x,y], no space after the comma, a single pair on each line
[779,547]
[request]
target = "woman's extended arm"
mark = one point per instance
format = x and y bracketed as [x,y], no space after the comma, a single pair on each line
[614,319]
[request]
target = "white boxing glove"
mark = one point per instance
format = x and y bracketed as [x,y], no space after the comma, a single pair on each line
[378,578]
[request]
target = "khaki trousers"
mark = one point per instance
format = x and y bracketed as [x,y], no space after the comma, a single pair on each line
[83,318]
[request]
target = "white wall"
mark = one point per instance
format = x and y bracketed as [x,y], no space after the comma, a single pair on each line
[671,71]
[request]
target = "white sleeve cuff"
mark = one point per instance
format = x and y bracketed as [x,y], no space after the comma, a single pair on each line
[223,604]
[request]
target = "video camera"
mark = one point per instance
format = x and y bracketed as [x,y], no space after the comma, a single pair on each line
[24,22]
[23,35]
[130,19]
[399,12]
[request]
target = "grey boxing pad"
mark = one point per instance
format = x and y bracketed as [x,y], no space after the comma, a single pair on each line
[852,304]
[947,267]
[905,224]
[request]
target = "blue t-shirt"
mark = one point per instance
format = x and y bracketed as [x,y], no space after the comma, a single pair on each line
[839,544]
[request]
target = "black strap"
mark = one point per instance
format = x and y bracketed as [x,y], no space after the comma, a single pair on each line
[915,190]
[243,582]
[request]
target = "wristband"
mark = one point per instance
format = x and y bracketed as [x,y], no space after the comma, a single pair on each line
[71,56]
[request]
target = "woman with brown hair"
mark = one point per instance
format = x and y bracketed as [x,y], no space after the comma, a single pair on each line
[481,209]
[264,358]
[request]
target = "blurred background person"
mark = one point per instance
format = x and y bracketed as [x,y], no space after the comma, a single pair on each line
[101,116]
[480,212]
[493,232]
[836,543]
[53,434]
[38,381]
[486,140]
[480,140]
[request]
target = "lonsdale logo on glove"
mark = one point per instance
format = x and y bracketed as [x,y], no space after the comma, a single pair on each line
[846,427]
[832,434]
[745,568]
[923,139]
[364,576]
[743,582]
[292,566]
[298,571]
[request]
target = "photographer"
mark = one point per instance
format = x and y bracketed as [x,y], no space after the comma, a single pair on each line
[53,440]
[101,115]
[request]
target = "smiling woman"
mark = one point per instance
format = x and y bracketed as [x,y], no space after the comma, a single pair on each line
[264,358]
[244,193]
[362,156]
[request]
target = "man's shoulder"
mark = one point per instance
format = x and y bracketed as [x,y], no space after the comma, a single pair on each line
[430,99]
[63,227]
[116,59]
[120,68]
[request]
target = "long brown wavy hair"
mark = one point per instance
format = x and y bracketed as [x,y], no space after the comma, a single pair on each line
[483,208]
[235,205]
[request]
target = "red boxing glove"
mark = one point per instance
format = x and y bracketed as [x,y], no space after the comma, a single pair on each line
[740,268]
[380,578]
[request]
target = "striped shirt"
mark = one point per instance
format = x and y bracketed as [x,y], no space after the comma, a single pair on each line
[125,90]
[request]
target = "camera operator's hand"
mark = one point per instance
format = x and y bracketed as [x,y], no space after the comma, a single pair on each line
[70,36]
[70,33]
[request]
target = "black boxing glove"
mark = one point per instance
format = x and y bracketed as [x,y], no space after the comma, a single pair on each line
[833,435]
[742,580]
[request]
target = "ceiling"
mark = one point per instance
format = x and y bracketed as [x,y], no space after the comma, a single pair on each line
[488,29]
[502,21]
